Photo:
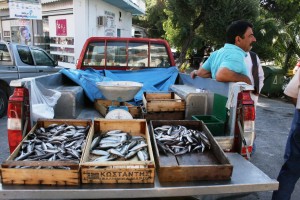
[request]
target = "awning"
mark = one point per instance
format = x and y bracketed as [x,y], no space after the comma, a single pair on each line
[127,5]
[48,1]
[4,5]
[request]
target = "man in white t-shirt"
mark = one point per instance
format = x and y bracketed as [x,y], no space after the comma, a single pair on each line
[290,170]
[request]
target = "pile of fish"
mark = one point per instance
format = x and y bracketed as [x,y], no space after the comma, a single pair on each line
[118,145]
[179,140]
[55,143]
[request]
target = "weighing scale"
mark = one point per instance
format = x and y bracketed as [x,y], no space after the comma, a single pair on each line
[119,91]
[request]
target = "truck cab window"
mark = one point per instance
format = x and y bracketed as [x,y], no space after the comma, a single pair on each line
[41,58]
[25,55]
[116,53]
[159,56]
[138,54]
[95,54]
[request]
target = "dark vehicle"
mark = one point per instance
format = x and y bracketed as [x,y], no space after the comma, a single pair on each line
[21,61]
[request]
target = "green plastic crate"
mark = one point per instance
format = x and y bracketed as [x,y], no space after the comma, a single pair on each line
[214,125]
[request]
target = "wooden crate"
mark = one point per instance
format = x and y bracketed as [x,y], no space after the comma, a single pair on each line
[163,102]
[43,176]
[118,171]
[210,165]
[176,115]
[102,106]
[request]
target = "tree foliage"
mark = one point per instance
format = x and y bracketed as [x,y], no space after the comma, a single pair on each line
[204,20]
[196,24]
[153,19]
[286,40]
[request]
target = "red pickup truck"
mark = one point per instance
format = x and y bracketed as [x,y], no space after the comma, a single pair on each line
[231,100]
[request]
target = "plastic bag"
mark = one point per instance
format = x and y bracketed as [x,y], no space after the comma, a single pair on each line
[43,101]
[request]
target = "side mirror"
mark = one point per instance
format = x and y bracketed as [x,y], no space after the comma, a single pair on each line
[55,63]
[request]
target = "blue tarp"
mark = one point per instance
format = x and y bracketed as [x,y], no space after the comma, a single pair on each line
[153,79]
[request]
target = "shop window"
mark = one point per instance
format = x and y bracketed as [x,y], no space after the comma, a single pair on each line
[41,34]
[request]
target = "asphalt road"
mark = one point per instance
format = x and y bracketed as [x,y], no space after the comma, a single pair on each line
[273,122]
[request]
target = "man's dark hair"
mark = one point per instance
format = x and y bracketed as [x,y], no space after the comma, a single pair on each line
[237,28]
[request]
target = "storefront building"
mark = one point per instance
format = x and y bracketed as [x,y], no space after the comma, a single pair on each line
[66,24]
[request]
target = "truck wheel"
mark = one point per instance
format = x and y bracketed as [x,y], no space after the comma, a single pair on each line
[3,103]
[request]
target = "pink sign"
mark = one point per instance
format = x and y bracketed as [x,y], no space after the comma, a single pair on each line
[61,27]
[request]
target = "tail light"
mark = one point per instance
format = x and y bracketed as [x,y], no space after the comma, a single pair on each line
[249,112]
[17,117]
[246,117]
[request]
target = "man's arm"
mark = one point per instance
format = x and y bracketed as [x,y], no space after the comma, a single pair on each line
[201,72]
[294,101]
[226,75]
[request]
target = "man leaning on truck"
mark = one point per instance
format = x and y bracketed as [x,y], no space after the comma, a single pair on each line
[227,64]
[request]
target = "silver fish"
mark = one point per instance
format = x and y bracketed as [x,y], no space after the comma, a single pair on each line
[100,152]
[138,147]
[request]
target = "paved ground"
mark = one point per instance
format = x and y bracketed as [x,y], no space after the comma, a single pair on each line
[273,122]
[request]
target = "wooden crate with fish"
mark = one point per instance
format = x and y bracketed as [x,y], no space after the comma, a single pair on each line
[119,151]
[185,150]
[163,106]
[102,106]
[49,155]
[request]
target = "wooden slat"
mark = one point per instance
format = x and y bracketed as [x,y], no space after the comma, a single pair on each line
[205,158]
[12,163]
[175,115]
[163,102]
[39,176]
[167,161]
[192,173]
[118,175]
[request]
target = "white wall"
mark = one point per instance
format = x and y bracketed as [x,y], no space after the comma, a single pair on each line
[85,17]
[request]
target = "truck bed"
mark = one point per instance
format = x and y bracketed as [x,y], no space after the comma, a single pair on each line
[245,178]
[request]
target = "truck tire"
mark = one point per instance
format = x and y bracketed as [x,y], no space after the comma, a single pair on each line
[3,103]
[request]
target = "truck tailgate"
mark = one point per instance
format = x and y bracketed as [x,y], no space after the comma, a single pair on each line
[245,178]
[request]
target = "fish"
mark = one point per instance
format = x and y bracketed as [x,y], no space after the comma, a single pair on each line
[119,145]
[115,152]
[179,140]
[138,147]
[100,152]
[130,155]
[53,143]
[95,142]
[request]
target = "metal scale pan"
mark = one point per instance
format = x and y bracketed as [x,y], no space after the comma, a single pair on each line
[120,91]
